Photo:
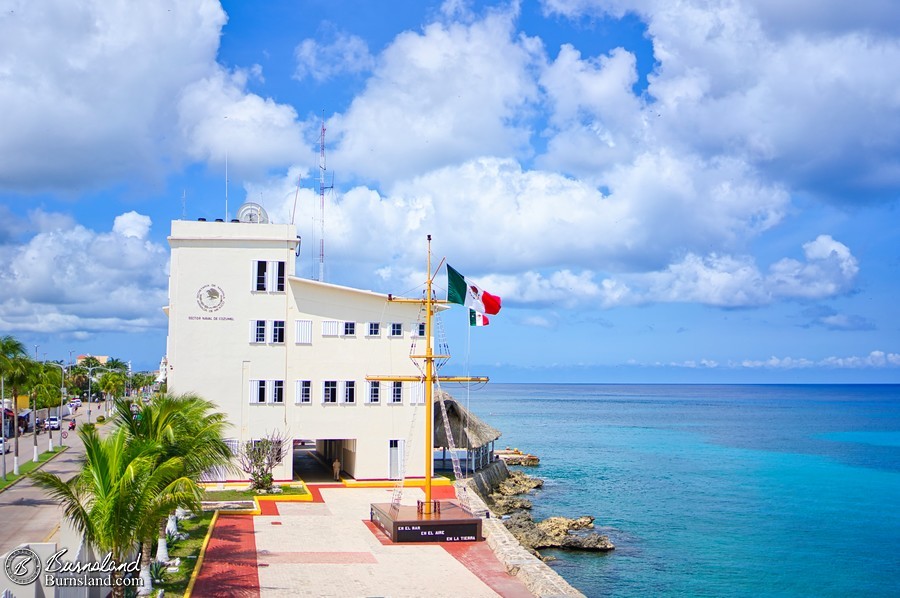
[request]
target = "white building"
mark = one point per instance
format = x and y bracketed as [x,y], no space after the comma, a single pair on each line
[277,352]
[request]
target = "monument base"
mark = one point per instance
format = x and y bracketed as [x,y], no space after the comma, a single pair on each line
[449,522]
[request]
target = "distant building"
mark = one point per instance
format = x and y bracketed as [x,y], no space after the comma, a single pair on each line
[101,359]
[282,353]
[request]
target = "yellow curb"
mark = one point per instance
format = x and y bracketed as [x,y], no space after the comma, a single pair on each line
[417,483]
[51,534]
[201,556]
[308,497]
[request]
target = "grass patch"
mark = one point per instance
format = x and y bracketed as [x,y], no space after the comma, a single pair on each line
[215,495]
[28,466]
[187,550]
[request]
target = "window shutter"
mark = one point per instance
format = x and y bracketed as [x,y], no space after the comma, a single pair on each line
[330,327]
[304,332]
[417,393]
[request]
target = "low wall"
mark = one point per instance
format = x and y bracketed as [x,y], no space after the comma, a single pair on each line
[488,479]
[540,579]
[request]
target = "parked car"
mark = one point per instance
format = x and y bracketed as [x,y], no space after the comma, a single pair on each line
[53,423]
[75,402]
[4,446]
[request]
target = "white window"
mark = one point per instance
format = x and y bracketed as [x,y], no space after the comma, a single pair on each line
[278,391]
[349,391]
[374,391]
[397,392]
[396,329]
[304,332]
[417,394]
[257,391]
[374,328]
[330,327]
[268,276]
[349,328]
[257,331]
[421,328]
[278,331]
[279,277]
[260,278]
[329,394]
[304,392]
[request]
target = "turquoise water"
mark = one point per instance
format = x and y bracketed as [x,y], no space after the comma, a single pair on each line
[715,490]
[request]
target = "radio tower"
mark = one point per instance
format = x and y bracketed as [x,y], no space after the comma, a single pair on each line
[322,188]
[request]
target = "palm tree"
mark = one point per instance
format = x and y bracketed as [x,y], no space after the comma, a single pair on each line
[12,351]
[187,428]
[114,363]
[112,384]
[19,372]
[124,487]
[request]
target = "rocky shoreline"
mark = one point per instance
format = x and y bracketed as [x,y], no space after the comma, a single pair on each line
[516,538]
[553,532]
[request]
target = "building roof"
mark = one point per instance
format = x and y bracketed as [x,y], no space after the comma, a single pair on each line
[296,280]
[468,431]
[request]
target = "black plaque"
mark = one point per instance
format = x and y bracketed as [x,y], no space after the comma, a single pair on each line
[440,531]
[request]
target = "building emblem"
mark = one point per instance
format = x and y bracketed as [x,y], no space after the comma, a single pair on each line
[210,297]
[22,566]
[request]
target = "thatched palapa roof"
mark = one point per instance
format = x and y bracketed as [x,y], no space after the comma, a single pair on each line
[468,431]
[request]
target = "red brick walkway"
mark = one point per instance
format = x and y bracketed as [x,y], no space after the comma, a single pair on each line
[229,567]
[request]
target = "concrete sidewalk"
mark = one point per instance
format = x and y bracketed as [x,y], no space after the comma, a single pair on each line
[329,548]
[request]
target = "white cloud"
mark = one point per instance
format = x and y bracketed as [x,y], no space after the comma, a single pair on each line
[93,93]
[846,322]
[219,119]
[87,87]
[726,84]
[875,359]
[346,54]
[596,118]
[538,321]
[75,280]
[440,97]
[778,363]
[829,269]
[132,224]
[42,221]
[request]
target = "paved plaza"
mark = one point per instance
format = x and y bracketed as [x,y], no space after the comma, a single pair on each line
[329,548]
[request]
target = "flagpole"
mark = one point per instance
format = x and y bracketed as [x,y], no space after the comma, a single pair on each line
[429,379]
[429,374]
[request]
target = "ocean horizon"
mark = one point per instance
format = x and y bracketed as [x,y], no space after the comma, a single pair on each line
[714,489]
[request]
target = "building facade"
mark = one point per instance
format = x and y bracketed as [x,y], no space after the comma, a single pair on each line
[280,353]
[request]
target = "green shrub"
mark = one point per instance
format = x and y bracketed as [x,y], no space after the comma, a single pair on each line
[100,419]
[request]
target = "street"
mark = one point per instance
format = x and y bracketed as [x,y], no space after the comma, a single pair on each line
[27,513]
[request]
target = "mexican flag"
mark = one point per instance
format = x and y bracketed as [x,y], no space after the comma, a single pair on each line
[464,292]
[476,318]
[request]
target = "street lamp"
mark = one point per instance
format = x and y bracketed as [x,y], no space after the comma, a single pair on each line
[91,379]
[62,391]
[3,424]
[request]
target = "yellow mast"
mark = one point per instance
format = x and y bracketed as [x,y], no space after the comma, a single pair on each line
[429,377]
[429,393]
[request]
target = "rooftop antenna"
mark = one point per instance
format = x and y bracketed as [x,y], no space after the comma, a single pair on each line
[296,195]
[183,216]
[226,185]
[322,188]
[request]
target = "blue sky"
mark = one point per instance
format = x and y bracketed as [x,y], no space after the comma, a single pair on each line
[702,191]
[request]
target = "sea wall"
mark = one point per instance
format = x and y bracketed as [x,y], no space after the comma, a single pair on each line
[489,478]
[541,580]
